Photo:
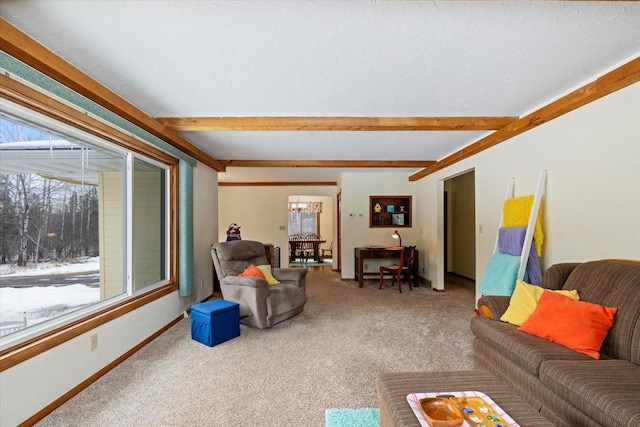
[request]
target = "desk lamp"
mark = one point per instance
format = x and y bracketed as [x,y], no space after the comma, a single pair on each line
[396,235]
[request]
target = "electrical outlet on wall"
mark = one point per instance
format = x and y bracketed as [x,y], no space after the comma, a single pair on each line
[93,342]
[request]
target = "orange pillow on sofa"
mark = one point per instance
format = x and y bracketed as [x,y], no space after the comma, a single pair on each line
[253,271]
[579,325]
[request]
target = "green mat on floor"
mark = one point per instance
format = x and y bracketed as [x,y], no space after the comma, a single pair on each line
[362,417]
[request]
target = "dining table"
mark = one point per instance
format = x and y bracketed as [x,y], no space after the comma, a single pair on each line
[300,245]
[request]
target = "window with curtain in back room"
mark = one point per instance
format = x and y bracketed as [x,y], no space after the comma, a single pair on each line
[303,223]
[304,216]
[83,224]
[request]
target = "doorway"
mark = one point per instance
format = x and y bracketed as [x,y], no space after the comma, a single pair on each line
[337,247]
[310,229]
[459,226]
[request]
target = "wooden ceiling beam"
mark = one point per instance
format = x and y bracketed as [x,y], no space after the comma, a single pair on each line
[316,123]
[328,163]
[22,47]
[615,80]
[276,183]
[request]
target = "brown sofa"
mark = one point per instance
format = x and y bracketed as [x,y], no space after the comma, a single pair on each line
[567,387]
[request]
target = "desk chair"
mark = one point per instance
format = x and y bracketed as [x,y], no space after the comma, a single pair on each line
[396,270]
[410,265]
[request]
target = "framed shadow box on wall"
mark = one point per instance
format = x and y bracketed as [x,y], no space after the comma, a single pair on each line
[389,211]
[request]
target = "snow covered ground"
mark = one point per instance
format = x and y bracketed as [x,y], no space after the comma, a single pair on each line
[83,265]
[41,303]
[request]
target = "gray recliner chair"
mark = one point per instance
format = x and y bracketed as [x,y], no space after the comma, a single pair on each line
[261,305]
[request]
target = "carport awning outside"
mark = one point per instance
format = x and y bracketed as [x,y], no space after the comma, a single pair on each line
[58,159]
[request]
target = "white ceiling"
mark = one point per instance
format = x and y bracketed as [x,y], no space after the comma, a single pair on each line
[334,58]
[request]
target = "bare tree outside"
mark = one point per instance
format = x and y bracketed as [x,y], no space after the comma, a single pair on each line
[42,217]
[45,217]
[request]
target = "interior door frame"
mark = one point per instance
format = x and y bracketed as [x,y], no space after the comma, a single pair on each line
[338,247]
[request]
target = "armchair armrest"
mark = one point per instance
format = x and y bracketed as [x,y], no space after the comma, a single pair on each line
[493,306]
[248,281]
[289,274]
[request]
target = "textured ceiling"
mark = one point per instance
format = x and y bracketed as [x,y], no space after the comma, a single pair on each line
[334,58]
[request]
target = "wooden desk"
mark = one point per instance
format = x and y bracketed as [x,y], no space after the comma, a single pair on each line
[304,244]
[360,254]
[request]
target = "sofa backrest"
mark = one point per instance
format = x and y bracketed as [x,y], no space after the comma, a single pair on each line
[613,283]
[233,257]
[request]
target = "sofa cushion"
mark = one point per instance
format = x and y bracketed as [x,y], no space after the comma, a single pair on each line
[252,271]
[525,300]
[613,284]
[606,390]
[266,271]
[526,351]
[555,276]
[579,325]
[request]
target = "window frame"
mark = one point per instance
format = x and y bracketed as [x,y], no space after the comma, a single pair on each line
[40,107]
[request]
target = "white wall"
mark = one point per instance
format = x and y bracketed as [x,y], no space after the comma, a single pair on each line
[592,203]
[356,189]
[205,232]
[262,212]
[32,385]
[254,209]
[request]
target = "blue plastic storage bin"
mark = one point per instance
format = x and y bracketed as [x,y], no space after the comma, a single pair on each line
[214,322]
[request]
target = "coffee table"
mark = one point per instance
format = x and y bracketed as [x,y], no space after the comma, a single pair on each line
[393,389]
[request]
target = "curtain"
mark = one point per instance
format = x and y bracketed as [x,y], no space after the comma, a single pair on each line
[305,207]
[185,228]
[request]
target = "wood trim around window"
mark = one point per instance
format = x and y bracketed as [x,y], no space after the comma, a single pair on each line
[31,99]
[27,50]
[276,184]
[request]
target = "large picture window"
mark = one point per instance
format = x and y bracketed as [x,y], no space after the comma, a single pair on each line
[83,224]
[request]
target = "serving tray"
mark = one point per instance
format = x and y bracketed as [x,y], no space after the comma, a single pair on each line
[497,416]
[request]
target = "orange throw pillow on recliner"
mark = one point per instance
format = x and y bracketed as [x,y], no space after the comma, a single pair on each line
[253,271]
[579,325]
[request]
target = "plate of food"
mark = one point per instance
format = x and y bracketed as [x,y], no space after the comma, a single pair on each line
[458,408]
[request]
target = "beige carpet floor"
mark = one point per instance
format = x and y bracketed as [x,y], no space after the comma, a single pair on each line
[326,357]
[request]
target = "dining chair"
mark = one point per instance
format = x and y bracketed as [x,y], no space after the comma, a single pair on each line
[309,247]
[396,270]
[297,247]
[329,250]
